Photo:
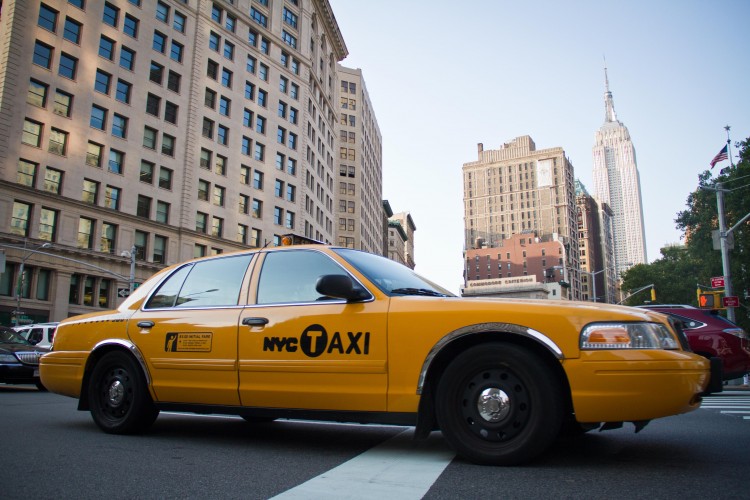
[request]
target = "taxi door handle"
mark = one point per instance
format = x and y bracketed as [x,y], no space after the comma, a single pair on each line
[145,324]
[254,321]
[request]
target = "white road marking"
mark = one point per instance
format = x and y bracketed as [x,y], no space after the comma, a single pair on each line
[398,469]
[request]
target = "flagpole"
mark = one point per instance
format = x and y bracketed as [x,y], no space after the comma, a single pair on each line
[729,146]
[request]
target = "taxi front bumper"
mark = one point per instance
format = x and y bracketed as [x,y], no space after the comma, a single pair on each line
[636,385]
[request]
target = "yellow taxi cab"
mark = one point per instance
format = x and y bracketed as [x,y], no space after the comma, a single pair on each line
[328,333]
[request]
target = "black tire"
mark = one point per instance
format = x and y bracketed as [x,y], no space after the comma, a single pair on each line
[119,400]
[499,404]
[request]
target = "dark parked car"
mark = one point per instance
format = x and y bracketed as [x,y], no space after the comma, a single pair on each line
[19,359]
[712,335]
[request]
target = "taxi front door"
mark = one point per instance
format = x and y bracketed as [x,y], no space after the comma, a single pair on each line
[300,350]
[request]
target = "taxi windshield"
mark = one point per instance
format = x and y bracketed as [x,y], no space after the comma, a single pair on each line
[390,276]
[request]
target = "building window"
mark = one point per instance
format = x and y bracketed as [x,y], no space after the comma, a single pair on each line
[294,92]
[212,69]
[260,125]
[208,128]
[247,118]
[32,133]
[42,55]
[263,72]
[47,18]
[63,103]
[165,178]
[221,165]
[130,27]
[147,172]
[68,66]
[167,145]
[26,173]
[112,197]
[37,93]
[262,97]
[140,242]
[104,287]
[228,50]
[199,251]
[226,78]
[160,42]
[290,18]
[19,222]
[107,240]
[176,51]
[257,208]
[116,161]
[173,81]
[102,82]
[289,220]
[94,154]
[111,14]
[53,180]
[258,17]
[58,142]
[162,212]
[90,191]
[244,174]
[290,40]
[290,193]
[156,73]
[277,214]
[218,198]
[260,151]
[205,158]
[201,222]
[170,112]
[242,234]
[127,58]
[106,48]
[291,166]
[122,93]
[225,106]
[72,30]
[119,126]
[160,249]
[85,233]
[98,118]
[144,206]
[149,138]
[203,187]
[48,224]
[179,21]
[162,12]
[217,227]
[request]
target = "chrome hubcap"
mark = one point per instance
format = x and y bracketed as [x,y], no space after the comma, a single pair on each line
[493,404]
[116,393]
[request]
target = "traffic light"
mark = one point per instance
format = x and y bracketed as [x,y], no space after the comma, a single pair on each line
[710,300]
[653,294]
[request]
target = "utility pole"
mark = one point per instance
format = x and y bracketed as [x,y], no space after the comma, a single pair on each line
[724,246]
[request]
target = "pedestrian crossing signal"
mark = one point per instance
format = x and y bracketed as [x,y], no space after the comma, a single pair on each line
[710,300]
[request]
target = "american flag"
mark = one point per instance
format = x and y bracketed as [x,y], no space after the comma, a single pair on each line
[721,156]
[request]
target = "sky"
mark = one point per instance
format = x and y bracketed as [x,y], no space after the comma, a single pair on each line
[444,76]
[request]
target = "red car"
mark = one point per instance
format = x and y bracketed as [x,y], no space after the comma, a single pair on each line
[712,335]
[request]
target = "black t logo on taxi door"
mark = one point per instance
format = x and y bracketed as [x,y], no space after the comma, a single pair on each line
[316,334]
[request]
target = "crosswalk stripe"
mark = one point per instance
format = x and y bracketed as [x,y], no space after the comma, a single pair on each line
[398,469]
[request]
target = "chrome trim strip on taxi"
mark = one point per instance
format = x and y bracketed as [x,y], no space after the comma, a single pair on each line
[130,347]
[486,328]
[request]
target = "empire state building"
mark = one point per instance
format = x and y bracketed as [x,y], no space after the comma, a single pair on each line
[617,183]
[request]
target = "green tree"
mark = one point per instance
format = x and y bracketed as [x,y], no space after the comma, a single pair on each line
[673,277]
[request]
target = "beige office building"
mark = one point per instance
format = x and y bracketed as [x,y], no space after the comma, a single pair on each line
[360,166]
[518,189]
[169,128]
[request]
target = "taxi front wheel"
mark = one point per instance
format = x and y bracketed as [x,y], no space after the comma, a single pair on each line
[118,397]
[499,404]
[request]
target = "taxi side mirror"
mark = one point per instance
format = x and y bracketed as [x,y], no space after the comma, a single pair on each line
[340,286]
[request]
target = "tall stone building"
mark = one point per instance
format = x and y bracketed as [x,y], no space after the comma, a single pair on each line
[360,165]
[596,249]
[519,190]
[137,134]
[617,183]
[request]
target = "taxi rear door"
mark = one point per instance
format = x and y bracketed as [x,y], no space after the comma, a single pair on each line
[187,331]
[298,349]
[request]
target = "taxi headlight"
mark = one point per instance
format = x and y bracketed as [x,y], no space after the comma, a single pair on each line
[627,336]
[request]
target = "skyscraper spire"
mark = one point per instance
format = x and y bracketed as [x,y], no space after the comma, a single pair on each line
[609,103]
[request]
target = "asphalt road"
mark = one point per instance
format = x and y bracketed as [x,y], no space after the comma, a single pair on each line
[50,450]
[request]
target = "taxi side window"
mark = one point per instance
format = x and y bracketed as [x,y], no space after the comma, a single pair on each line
[291,276]
[209,283]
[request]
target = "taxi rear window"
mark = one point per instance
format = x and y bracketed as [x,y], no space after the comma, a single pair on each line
[207,283]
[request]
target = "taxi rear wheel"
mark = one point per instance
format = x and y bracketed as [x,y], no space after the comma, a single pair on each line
[118,397]
[499,404]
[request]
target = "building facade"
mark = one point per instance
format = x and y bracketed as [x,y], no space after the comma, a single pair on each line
[617,183]
[518,189]
[404,220]
[137,134]
[596,249]
[360,165]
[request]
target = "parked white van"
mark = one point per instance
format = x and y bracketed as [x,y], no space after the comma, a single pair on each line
[40,334]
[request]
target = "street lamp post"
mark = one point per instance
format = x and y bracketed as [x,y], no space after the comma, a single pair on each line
[19,284]
[593,281]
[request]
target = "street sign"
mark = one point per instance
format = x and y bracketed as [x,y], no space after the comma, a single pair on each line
[732,301]
[717,282]
[123,292]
